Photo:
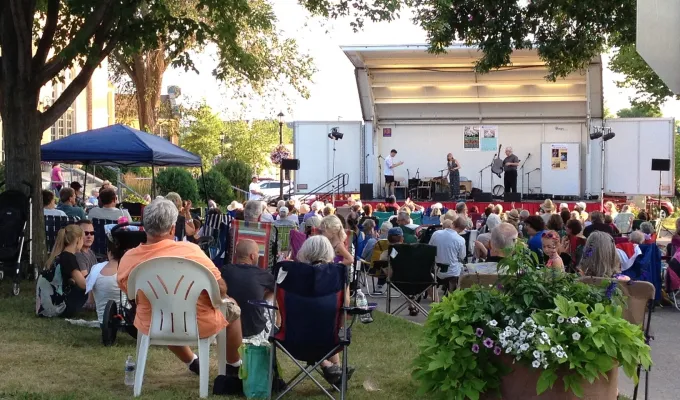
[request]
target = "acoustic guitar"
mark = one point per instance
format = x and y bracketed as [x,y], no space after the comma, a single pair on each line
[497,163]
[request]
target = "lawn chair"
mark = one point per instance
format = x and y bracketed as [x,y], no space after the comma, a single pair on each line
[411,273]
[262,233]
[430,220]
[99,246]
[311,302]
[638,311]
[382,217]
[52,226]
[374,268]
[647,267]
[417,218]
[173,286]
[283,235]
[297,238]
[624,222]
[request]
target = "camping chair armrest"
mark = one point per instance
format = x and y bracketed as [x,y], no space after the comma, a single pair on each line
[361,260]
[263,304]
[360,311]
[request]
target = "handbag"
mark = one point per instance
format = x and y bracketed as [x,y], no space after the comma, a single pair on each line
[254,371]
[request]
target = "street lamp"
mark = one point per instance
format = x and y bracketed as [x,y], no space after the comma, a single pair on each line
[281,164]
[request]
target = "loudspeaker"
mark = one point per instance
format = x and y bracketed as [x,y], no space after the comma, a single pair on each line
[441,196]
[510,197]
[661,164]
[292,164]
[366,191]
[483,197]
[400,192]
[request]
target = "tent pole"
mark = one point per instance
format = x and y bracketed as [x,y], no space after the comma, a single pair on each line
[85,184]
[205,189]
[153,182]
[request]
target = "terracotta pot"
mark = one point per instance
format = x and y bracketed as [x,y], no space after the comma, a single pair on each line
[520,384]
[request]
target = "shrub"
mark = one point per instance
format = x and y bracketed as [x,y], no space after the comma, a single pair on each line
[178,180]
[104,173]
[236,171]
[218,187]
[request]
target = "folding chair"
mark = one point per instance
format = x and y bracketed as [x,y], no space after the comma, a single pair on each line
[624,222]
[52,226]
[417,218]
[99,244]
[382,217]
[297,238]
[468,280]
[411,273]
[344,211]
[430,220]
[311,302]
[283,236]
[261,233]
[374,268]
[639,301]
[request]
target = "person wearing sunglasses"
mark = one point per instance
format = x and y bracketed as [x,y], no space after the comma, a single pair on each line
[86,257]
[551,249]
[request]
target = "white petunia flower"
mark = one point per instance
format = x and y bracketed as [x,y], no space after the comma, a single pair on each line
[530,335]
[508,350]
[541,341]
[537,354]
[536,364]
[574,320]
[545,336]
[523,334]
[511,322]
[588,324]
[524,347]
[560,319]
[576,336]
[553,350]
[541,328]
[506,318]
[493,322]
[529,321]
[559,348]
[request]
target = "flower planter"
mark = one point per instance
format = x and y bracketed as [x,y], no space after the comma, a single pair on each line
[520,384]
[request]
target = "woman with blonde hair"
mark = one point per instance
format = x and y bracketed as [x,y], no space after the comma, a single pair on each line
[331,227]
[599,257]
[185,222]
[68,244]
[610,209]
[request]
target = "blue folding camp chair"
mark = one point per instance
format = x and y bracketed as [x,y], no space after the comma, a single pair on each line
[310,299]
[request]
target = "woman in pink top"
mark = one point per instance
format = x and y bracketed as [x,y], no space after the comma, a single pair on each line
[56,177]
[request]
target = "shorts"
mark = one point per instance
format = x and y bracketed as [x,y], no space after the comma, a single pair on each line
[389,178]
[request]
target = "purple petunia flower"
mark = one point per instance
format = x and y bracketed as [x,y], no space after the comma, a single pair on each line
[588,253]
[488,343]
[610,290]
[475,348]
[479,332]
[497,351]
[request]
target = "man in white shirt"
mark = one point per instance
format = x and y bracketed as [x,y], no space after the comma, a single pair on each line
[390,164]
[254,190]
[50,205]
[450,250]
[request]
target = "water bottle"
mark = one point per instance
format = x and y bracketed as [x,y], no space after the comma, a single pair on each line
[129,371]
[363,304]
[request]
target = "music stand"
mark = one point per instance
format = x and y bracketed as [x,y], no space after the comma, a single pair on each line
[661,165]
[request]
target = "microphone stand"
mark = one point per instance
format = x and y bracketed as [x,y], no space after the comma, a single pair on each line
[481,172]
[380,178]
[521,194]
[529,175]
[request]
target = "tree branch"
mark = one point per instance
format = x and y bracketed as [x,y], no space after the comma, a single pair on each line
[47,38]
[68,96]
[92,27]
[23,32]
[127,67]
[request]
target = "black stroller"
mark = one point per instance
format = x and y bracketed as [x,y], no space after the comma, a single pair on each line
[117,318]
[15,225]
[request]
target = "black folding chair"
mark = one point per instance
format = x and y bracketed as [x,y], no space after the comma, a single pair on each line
[52,226]
[411,273]
[99,244]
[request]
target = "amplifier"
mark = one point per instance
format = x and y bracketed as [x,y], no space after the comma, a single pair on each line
[483,197]
[400,192]
[512,197]
[366,191]
[441,196]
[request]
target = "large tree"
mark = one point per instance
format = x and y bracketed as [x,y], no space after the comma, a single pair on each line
[250,53]
[639,111]
[40,39]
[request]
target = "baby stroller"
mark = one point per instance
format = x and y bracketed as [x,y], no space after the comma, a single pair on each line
[15,224]
[121,318]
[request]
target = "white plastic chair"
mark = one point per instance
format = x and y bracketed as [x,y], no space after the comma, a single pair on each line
[173,285]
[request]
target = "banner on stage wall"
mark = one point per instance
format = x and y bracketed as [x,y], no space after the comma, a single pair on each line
[559,156]
[471,138]
[489,137]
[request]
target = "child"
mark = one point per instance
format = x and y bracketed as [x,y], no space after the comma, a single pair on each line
[551,245]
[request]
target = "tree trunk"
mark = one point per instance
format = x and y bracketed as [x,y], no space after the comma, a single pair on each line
[21,141]
[148,70]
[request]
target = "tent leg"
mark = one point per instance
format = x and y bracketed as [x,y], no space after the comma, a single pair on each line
[205,189]
[153,182]
[85,184]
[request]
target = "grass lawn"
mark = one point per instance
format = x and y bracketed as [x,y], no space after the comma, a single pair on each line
[51,359]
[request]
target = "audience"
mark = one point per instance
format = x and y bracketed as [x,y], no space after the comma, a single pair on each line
[547,209]
[451,250]
[108,210]
[93,200]
[69,242]
[331,227]
[68,204]
[535,226]
[512,218]
[50,205]
[86,257]
[599,256]
[380,207]
[160,219]
[565,214]
[407,226]
[649,231]
[392,205]
[573,243]
[503,238]
[283,219]
[551,245]
[598,224]
[580,208]
[610,209]
[628,254]
[462,211]
[610,221]
[555,223]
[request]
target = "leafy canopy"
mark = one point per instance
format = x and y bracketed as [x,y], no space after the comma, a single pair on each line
[640,110]
[203,136]
[252,143]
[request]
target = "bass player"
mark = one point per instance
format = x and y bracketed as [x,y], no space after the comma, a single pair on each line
[510,164]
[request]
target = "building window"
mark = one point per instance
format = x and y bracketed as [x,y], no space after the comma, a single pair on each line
[65,125]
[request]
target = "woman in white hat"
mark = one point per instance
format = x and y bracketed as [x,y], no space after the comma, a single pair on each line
[548,209]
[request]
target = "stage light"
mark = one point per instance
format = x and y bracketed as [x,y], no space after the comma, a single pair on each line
[595,135]
[609,135]
[335,134]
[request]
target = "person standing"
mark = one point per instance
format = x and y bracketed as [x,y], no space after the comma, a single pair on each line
[255,193]
[390,164]
[510,164]
[57,178]
[453,167]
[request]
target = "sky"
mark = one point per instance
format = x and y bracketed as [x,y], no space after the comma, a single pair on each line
[333,92]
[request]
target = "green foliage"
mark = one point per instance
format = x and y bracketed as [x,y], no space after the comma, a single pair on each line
[640,110]
[252,144]
[142,172]
[218,187]
[133,198]
[178,180]
[677,160]
[236,171]
[649,88]
[533,317]
[103,173]
[203,136]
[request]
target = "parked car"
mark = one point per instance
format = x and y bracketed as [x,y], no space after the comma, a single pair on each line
[271,190]
[652,204]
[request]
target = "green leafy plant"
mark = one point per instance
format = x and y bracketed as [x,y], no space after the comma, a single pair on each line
[178,180]
[218,187]
[533,317]
[236,171]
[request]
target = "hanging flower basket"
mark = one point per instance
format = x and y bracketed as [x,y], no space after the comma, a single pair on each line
[279,153]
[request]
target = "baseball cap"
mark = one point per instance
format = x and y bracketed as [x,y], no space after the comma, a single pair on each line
[395,232]
[283,210]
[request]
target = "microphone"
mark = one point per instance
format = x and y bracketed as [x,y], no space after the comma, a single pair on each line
[367,155]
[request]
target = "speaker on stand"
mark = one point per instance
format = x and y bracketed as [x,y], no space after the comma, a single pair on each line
[366,191]
[661,165]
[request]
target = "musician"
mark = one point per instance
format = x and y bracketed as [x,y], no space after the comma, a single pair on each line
[390,164]
[453,167]
[510,164]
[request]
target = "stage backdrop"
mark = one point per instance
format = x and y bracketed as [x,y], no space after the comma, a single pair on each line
[560,168]
[423,146]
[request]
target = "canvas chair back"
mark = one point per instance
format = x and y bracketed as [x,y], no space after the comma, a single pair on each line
[637,293]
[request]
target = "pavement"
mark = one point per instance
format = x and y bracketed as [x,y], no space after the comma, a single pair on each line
[665,352]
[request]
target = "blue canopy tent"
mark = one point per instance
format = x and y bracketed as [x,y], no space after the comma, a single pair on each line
[119,145]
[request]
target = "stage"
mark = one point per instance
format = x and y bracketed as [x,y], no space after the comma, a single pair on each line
[532,205]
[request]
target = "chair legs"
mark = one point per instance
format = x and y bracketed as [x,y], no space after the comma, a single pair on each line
[222,352]
[204,362]
[142,352]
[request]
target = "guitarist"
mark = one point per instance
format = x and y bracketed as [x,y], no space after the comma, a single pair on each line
[510,164]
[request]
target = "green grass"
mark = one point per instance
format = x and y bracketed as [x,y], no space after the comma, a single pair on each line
[51,359]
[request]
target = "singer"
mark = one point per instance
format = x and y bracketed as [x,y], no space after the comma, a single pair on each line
[453,167]
[510,164]
[389,173]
